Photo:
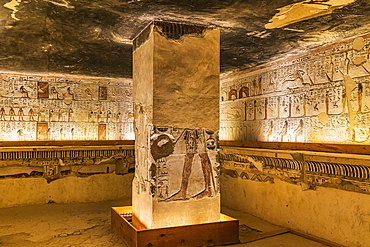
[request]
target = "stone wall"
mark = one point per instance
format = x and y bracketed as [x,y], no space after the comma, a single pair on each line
[307,191]
[42,174]
[322,97]
[64,107]
[61,117]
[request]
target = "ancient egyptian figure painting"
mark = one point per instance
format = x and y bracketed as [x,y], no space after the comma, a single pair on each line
[320,97]
[195,150]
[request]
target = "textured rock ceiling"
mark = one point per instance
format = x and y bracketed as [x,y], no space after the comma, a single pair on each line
[93,37]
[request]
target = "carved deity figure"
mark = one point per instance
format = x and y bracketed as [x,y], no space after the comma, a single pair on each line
[299,130]
[31,114]
[11,113]
[359,97]
[24,92]
[194,146]
[20,114]
[2,114]
[270,130]
[284,131]
[232,94]
[344,100]
[70,92]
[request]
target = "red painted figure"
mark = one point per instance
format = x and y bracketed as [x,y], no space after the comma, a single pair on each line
[11,113]
[2,114]
[193,147]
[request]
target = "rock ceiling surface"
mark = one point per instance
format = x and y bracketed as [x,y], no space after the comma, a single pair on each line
[94,37]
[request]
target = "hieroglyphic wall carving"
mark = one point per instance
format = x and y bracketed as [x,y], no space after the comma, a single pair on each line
[265,167]
[45,107]
[57,162]
[197,150]
[323,96]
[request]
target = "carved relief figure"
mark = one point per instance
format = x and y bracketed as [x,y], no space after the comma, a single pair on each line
[20,114]
[11,113]
[54,92]
[2,114]
[270,130]
[70,93]
[243,92]
[359,97]
[284,131]
[30,115]
[266,104]
[232,94]
[24,92]
[293,81]
[194,146]
[70,115]
[299,130]
[344,99]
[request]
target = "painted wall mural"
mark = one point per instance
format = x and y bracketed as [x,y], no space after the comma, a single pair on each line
[38,107]
[196,149]
[54,163]
[320,97]
[309,174]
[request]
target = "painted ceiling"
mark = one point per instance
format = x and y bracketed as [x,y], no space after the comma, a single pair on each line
[94,37]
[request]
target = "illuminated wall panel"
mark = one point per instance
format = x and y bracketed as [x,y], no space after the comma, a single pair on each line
[44,107]
[323,96]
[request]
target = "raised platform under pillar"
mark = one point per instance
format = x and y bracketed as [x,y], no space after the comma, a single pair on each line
[225,231]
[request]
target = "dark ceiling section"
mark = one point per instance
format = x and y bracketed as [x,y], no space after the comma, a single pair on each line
[93,37]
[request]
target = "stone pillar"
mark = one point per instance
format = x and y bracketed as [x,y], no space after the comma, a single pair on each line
[176,70]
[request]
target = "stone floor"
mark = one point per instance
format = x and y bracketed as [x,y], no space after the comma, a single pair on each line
[88,224]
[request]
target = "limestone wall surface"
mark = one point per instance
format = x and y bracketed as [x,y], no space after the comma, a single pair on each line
[320,97]
[71,189]
[36,175]
[47,107]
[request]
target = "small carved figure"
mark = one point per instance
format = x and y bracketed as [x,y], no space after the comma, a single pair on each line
[344,100]
[270,130]
[359,97]
[31,114]
[20,114]
[299,130]
[243,92]
[70,112]
[11,113]
[2,114]
[232,94]
[284,131]
[24,92]
[266,103]
[54,92]
[194,146]
[72,133]
[70,92]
